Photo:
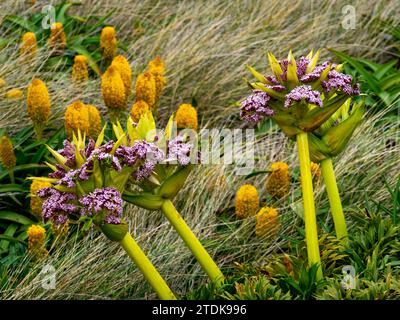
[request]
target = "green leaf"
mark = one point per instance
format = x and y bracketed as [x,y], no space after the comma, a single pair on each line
[11,239]
[5,188]
[91,61]
[10,231]
[15,217]
[22,22]
[24,167]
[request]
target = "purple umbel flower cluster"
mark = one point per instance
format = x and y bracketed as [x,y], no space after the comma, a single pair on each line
[340,81]
[255,107]
[107,200]
[179,151]
[301,65]
[57,206]
[305,93]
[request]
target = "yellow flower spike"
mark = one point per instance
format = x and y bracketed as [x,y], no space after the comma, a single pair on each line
[108,43]
[139,108]
[14,94]
[36,241]
[113,91]
[313,61]
[247,201]
[145,89]
[275,66]
[186,117]
[278,181]
[37,202]
[94,121]
[80,72]
[124,69]
[76,118]
[28,48]
[157,68]
[267,221]
[60,231]
[7,155]
[39,105]
[58,39]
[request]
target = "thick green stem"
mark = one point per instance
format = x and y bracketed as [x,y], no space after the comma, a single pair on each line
[146,267]
[310,219]
[334,198]
[192,242]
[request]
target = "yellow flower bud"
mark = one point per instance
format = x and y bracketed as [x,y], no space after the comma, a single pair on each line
[94,121]
[145,89]
[267,221]
[76,117]
[7,155]
[108,43]
[186,117]
[60,231]
[14,94]
[157,69]
[139,108]
[278,181]
[80,73]
[113,89]
[124,69]
[37,202]
[58,39]
[38,101]
[36,240]
[156,66]
[247,201]
[28,47]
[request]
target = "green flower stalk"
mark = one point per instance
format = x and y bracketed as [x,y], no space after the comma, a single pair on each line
[300,96]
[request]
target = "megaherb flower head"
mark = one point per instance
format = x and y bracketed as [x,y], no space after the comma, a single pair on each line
[145,89]
[36,240]
[80,73]
[247,201]
[76,118]
[94,121]
[58,39]
[124,69]
[113,91]
[14,94]
[36,201]
[7,155]
[38,102]
[157,68]
[108,43]
[278,181]
[139,108]
[186,117]
[28,48]
[267,222]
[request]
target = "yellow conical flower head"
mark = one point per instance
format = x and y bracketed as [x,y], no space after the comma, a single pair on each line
[113,89]
[186,117]
[58,39]
[14,94]
[139,108]
[267,221]
[60,231]
[124,69]
[2,82]
[80,71]
[37,202]
[7,155]
[36,239]
[94,121]
[108,43]
[315,172]
[38,101]
[247,201]
[28,45]
[157,69]
[145,89]
[278,181]
[76,117]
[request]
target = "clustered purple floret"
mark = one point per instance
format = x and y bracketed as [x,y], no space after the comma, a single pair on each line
[340,81]
[179,151]
[305,93]
[255,107]
[106,200]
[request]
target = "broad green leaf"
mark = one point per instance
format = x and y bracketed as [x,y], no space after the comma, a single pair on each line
[15,217]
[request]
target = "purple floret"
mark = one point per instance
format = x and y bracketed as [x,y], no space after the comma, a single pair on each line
[255,107]
[179,151]
[305,93]
[340,81]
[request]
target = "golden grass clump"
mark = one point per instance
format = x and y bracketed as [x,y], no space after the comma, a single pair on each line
[28,48]
[108,43]
[7,155]
[37,202]
[113,90]
[139,108]
[267,222]
[145,89]
[247,201]
[58,39]
[80,72]
[76,118]
[124,69]
[278,181]
[186,117]
[36,240]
